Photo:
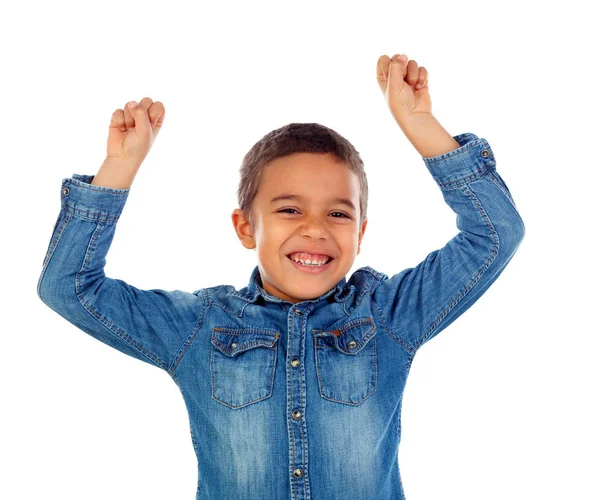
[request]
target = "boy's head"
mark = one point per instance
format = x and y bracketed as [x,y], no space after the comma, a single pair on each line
[327,214]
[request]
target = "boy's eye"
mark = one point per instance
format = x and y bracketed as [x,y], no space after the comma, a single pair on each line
[283,210]
[342,214]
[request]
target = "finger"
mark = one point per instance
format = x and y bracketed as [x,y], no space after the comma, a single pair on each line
[146,102]
[156,114]
[403,60]
[423,76]
[118,120]
[129,121]
[141,121]
[382,71]
[412,73]
[397,73]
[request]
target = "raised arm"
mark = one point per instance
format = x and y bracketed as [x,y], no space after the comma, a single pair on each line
[418,303]
[155,326]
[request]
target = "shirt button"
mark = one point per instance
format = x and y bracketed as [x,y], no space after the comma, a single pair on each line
[234,345]
[297,414]
[298,472]
[298,311]
[485,153]
[295,362]
[65,191]
[351,344]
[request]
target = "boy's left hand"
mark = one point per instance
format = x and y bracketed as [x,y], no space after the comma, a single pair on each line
[405,87]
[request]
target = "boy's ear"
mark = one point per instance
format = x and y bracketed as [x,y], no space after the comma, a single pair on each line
[361,234]
[243,229]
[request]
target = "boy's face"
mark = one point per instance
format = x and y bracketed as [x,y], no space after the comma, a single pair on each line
[313,222]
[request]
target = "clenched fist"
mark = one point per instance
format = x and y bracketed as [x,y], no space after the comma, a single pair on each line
[133,130]
[405,87]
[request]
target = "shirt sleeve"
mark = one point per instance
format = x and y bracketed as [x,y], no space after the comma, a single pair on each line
[418,303]
[154,326]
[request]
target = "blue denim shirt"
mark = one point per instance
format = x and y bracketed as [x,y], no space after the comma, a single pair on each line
[289,401]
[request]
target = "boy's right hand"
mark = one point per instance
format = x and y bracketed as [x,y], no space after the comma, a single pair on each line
[132,132]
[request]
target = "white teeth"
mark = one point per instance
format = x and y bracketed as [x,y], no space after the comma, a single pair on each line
[308,262]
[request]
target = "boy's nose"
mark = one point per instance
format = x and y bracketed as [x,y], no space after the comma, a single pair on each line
[314,227]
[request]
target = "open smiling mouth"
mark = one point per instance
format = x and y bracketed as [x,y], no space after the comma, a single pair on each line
[311,268]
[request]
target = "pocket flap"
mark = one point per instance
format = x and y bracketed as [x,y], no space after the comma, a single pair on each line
[350,338]
[231,341]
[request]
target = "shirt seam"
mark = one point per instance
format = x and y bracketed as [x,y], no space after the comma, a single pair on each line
[57,233]
[92,214]
[396,338]
[467,190]
[123,193]
[109,325]
[190,338]
[466,179]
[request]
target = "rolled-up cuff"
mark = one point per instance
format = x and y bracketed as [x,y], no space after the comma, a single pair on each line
[471,160]
[92,202]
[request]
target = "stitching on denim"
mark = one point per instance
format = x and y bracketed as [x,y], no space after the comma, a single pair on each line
[408,365]
[506,193]
[291,399]
[396,338]
[460,182]
[188,341]
[410,360]
[114,329]
[347,326]
[318,370]
[373,272]
[84,185]
[303,402]
[211,302]
[237,331]
[273,363]
[366,289]
[479,273]
[249,345]
[363,341]
[58,232]
[399,419]
[471,144]
[90,214]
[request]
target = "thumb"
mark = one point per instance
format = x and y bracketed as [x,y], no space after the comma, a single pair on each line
[140,116]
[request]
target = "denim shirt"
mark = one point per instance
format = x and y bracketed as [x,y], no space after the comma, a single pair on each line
[289,401]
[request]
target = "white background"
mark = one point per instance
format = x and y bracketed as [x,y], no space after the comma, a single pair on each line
[502,404]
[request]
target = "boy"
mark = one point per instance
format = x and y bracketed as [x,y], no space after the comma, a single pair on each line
[294,383]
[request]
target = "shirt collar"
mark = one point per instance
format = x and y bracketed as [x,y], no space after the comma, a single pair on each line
[255,289]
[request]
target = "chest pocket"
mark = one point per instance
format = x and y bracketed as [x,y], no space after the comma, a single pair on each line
[346,361]
[242,365]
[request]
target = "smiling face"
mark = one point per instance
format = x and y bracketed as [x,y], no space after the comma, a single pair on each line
[300,207]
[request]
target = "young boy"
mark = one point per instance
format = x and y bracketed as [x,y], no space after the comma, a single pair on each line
[294,383]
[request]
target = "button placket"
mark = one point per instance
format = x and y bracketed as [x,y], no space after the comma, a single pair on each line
[297,388]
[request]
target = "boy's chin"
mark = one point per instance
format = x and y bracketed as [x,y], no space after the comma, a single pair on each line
[310,287]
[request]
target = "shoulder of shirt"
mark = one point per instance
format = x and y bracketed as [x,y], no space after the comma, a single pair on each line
[364,280]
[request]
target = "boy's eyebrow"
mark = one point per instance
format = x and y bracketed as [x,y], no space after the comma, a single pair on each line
[286,196]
